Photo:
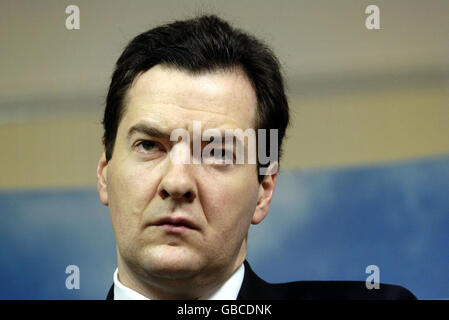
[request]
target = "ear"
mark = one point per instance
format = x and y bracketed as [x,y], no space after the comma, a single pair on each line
[102,179]
[266,190]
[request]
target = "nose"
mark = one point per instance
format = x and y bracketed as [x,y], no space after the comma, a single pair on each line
[178,183]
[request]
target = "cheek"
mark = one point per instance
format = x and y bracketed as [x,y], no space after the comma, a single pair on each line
[229,204]
[131,188]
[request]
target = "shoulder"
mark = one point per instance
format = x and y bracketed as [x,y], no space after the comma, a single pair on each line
[344,290]
[110,295]
[254,288]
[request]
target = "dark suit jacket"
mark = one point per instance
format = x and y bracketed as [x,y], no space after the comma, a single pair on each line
[254,288]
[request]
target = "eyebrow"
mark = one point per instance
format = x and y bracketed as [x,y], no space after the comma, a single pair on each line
[154,132]
[147,130]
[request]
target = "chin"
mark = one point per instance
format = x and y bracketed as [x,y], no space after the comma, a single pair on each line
[171,262]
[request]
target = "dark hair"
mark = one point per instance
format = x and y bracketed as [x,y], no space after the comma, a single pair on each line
[205,43]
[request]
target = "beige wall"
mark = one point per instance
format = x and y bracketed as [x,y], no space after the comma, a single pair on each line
[367,127]
[357,96]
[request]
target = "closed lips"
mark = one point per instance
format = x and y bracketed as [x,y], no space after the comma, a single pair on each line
[175,221]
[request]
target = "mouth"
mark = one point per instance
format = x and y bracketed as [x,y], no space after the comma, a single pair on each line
[175,224]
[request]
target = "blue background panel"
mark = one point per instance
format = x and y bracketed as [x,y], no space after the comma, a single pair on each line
[326,224]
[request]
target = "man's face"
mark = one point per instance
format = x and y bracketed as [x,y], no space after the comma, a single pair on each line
[174,220]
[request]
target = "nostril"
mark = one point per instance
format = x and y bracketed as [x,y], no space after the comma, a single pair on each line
[189,196]
[186,196]
[164,194]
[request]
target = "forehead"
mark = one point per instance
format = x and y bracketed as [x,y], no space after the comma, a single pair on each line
[174,99]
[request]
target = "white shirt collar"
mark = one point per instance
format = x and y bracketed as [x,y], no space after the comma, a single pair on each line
[228,290]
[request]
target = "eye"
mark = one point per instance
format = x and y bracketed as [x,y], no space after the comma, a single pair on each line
[146,146]
[220,156]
